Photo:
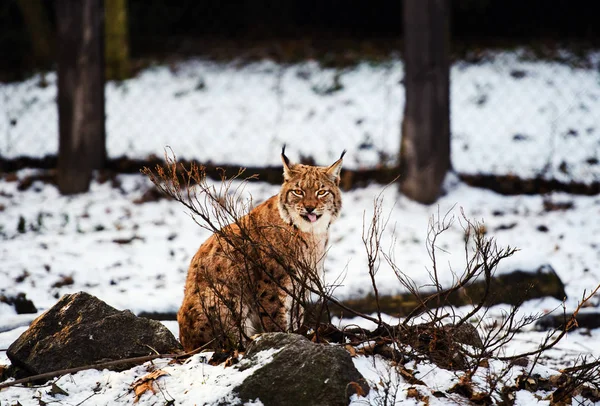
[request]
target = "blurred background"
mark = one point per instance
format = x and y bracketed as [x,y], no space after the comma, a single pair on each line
[504,93]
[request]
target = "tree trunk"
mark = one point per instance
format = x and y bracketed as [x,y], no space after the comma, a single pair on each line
[41,36]
[425,147]
[82,145]
[116,37]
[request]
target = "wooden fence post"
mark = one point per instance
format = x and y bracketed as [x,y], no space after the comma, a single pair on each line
[425,146]
[80,55]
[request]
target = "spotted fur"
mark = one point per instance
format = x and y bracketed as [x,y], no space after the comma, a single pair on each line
[243,279]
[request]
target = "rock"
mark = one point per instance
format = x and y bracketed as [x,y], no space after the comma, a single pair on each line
[20,302]
[465,334]
[309,373]
[81,330]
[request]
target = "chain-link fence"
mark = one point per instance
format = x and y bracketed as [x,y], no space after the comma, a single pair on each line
[510,114]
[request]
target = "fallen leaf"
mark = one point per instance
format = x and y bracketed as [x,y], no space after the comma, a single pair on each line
[410,377]
[142,388]
[351,350]
[367,349]
[357,388]
[146,383]
[57,390]
[65,280]
[233,359]
[412,392]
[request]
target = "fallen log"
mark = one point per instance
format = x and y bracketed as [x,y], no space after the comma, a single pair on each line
[510,288]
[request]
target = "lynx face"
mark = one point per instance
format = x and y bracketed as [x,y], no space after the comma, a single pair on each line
[310,197]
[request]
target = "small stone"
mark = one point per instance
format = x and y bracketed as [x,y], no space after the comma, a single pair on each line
[20,302]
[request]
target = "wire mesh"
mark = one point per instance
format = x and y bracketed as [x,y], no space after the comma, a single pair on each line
[510,114]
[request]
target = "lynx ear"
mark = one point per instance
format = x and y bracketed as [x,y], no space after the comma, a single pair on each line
[335,168]
[286,165]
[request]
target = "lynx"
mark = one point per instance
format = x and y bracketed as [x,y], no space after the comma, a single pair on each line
[253,275]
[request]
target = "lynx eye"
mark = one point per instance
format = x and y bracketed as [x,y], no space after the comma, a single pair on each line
[298,192]
[321,193]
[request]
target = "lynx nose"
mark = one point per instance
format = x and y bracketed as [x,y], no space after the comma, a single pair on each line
[309,209]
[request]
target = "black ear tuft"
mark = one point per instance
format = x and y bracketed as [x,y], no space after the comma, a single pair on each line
[285,158]
[341,156]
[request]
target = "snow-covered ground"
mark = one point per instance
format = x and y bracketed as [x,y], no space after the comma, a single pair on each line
[135,256]
[112,247]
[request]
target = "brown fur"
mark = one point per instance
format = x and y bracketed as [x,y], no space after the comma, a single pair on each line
[251,276]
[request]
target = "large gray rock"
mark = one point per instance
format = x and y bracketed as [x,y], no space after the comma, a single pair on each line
[301,373]
[81,330]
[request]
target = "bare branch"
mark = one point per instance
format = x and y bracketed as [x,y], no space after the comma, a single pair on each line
[101,365]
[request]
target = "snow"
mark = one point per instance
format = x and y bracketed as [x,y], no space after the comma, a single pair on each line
[195,379]
[226,113]
[82,237]
[135,256]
